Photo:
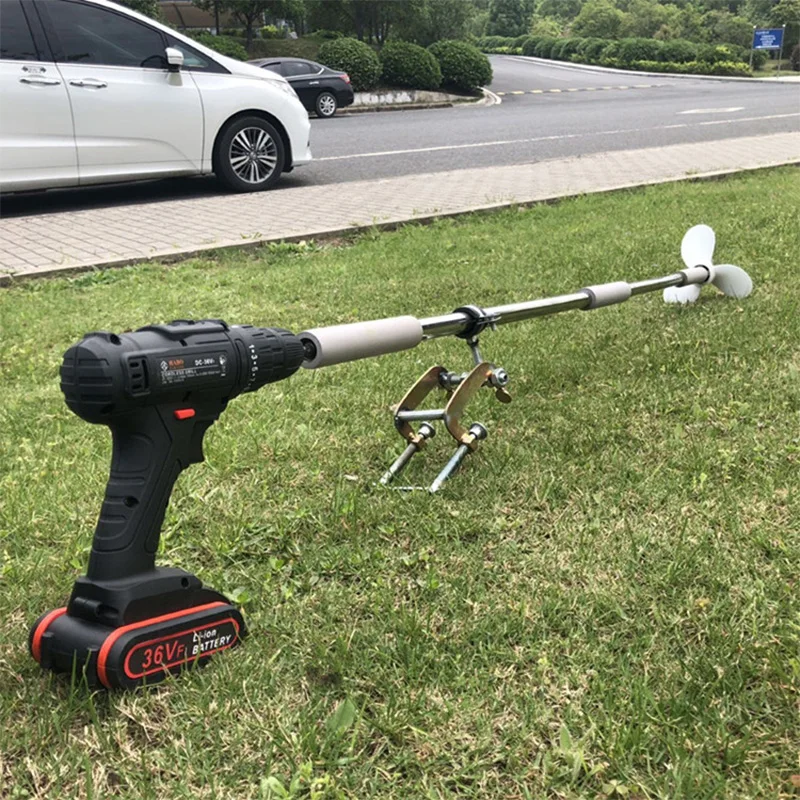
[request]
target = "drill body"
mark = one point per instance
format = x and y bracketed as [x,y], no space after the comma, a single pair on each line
[158,389]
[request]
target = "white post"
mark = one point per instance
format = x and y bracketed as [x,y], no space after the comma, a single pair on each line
[752,46]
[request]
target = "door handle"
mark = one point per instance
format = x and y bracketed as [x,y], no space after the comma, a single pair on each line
[313,83]
[89,83]
[40,81]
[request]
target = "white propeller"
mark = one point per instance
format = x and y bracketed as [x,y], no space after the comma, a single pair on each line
[697,250]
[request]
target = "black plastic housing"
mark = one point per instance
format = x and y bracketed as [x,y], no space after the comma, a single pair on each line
[158,389]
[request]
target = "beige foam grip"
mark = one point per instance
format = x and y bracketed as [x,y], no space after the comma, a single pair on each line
[340,343]
[607,294]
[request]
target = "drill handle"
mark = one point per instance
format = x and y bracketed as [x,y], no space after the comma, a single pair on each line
[151,447]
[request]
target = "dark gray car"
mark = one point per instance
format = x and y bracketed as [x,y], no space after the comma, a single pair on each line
[320,89]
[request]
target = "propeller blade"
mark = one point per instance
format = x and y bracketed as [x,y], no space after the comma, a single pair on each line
[682,294]
[697,247]
[732,281]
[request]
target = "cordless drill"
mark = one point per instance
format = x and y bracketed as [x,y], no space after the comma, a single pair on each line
[159,389]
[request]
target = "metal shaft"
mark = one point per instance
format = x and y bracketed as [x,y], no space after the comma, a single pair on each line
[425,432]
[458,322]
[477,431]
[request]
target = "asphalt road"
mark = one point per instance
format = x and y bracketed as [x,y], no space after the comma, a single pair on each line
[546,112]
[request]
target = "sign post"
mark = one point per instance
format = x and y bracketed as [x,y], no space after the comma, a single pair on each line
[768,39]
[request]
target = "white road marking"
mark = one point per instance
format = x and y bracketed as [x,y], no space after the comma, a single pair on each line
[712,110]
[504,142]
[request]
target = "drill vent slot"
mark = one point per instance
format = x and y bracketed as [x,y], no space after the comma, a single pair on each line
[137,374]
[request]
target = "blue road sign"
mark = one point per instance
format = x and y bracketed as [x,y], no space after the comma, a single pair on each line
[768,39]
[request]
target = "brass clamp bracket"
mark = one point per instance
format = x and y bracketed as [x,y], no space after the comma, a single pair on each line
[460,389]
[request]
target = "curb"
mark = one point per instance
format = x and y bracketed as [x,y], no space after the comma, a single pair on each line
[352,230]
[595,68]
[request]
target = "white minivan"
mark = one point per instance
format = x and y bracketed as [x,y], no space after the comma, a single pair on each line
[92,92]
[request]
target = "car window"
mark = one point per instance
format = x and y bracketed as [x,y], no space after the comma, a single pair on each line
[92,35]
[16,40]
[275,66]
[295,68]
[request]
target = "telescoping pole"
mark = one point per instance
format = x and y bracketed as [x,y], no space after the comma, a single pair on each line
[340,343]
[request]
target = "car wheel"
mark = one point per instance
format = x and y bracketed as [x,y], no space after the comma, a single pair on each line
[326,105]
[249,155]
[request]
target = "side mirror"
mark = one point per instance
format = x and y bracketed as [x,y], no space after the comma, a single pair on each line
[174,59]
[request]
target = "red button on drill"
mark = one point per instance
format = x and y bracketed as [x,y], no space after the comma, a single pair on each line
[184,413]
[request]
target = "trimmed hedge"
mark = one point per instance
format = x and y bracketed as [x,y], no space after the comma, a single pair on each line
[222,44]
[730,68]
[544,46]
[355,58]
[463,65]
[679,51]
[406,64]
[673,55]
[323,33]
[568,48]
[631,50]
[529,47]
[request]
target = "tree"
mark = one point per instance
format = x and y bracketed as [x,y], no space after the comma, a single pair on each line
[645,18]
[150,8]
[560,9]
[426,21]
[215,7]
[598,18]
[690,24]
[248,13]
[787,12]
[509,17]
[547,26]
[725,27]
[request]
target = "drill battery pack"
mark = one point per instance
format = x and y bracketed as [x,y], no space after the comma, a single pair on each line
[138,654]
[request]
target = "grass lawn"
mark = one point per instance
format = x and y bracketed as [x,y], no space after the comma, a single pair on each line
[771,68]
[603,603]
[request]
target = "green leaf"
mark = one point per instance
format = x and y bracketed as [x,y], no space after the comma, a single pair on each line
[342,718]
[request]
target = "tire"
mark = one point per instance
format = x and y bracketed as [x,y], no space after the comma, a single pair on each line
[326,105]
[249,155]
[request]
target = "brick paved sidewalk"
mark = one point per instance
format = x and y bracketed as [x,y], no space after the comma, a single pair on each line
[49,243]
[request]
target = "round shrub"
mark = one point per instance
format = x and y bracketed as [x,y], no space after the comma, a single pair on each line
[406,64]
[611,50]
[714,53]
[529,47]
[569,48]
[679,51]
[355,58]
[631,50]
[760,57]
[544,46]
[593,48]
[271,32]
[463,66]
[222,44]
[520,40]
